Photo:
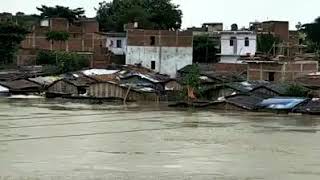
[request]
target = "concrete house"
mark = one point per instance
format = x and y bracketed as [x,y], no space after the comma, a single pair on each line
[237,43]
[163,51]
[117,43]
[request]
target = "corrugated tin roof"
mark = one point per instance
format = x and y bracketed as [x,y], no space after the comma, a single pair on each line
[107,78]
[20,84]
[45,81]
[81,81]
[244,101]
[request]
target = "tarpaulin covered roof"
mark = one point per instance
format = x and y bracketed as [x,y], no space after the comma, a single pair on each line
[281,103]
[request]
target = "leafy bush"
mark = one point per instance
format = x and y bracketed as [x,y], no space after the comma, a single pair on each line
[57,36]
[46,58]
[192,81]
[295,90]
[64,61]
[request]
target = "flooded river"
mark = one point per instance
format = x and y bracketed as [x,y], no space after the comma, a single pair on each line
[52,139]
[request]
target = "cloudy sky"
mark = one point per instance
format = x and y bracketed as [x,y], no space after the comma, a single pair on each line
[197,12]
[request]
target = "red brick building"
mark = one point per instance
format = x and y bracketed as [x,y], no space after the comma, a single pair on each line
[84,38]
[279,29]
[280,71]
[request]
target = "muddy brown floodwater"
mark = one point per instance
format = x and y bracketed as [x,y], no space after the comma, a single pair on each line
[52,139]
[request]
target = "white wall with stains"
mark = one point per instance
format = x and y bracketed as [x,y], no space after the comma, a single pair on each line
[168,60]
[111,44]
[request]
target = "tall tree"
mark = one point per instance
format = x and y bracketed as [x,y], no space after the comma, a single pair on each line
[266,43]
[204,49]
[155,14]
[62,12]
[312,31]
[11,36]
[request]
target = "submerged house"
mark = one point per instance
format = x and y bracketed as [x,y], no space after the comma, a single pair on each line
[21,86]
[270,90]
[232,88]
[309,107]
[70,87]
[111,90]
[237,102]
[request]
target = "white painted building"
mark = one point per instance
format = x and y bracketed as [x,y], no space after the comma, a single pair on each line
[163,51]
[117,43]
[237,43]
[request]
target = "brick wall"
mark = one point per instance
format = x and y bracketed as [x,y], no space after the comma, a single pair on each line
[230,68]
[139,37]
[283,71]
[279,28]
[83,38]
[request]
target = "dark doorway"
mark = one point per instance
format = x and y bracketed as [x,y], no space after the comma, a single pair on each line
[271,76]
[153,65]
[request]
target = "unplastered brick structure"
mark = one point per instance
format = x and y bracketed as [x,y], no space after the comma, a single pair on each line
[84,38]
[280,71]
[161,50]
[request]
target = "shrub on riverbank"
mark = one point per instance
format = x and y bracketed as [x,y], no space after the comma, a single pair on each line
[64,61]
[295,90]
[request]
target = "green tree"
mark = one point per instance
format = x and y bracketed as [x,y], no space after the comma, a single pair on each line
[11,35]
[59,36]
[150,14]
[266,42]
[61,12]
[312,34]
[192,82]
[295,90]
[204,49]
[64,61]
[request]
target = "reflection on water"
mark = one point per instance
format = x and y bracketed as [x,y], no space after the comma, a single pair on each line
[45,139]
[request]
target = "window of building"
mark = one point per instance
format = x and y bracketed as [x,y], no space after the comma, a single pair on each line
[153,65]
[44,23]
[119,43]
[271,76]
[246,42]
[232,39]
[152,40]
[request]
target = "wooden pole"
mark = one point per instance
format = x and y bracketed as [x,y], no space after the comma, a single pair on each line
[127,94]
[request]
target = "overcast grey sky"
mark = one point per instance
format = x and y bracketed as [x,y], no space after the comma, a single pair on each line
[197,12]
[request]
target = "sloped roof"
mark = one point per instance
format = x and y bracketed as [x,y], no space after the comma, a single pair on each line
[244,101]
[46,81]
[20,84]
[81,81]
[107,78]
[311,107]
[246,86]
[275,87]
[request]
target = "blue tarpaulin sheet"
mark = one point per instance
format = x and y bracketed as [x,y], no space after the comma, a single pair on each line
[281,103]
